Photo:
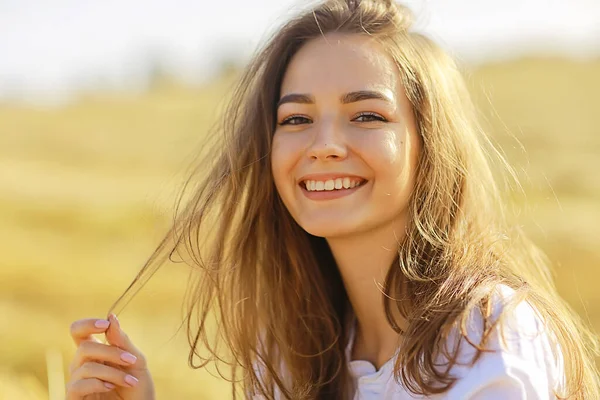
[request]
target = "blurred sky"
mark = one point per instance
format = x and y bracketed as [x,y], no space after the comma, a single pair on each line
[49,49]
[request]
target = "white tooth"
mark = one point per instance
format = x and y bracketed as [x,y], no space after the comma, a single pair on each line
[346,183]
[329,185]
[313,185]
[320,185]
[338,183]
[307,185]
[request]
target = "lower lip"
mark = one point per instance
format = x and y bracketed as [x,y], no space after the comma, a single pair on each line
[330,194]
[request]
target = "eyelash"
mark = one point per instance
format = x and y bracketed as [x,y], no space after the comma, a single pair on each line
[376,117]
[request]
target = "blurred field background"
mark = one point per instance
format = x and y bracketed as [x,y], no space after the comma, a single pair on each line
[87,190]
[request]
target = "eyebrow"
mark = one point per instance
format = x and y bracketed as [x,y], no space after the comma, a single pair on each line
[347,98]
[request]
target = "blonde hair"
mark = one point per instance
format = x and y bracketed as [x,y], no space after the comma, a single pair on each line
[273,292]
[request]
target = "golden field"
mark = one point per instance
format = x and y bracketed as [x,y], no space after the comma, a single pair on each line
[87,190]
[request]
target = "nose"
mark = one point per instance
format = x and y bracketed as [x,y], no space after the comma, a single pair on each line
[328,143]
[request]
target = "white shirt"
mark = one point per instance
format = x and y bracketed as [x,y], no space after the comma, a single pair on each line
[529,367]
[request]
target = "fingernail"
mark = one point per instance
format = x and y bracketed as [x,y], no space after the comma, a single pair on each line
[128,358]
[102,323]
[109,385]
[131,380]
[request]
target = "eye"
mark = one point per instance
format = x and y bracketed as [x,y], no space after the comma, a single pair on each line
[294,120]
[369,117]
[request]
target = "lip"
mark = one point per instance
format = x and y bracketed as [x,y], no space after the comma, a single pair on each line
[330,194]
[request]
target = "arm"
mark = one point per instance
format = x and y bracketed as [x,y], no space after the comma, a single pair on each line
[517,383]
[528,366]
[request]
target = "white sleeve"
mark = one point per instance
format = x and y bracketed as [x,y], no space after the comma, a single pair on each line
[528,366]
[499,378]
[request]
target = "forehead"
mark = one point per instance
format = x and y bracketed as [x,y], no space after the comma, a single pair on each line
[342,62]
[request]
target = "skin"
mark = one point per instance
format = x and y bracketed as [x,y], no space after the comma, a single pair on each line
[96,363]
[328,136]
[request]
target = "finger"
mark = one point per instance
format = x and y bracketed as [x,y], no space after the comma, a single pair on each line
[83,387]
[88,351]
[105,373]
[117,337]
[83,329]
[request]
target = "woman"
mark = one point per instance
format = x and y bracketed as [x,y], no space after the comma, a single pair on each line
[355,242]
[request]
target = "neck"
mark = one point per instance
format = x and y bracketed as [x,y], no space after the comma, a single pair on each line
[363,261]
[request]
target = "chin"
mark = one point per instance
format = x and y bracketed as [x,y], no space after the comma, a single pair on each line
[329,229]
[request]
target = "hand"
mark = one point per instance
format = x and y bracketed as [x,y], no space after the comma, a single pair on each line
[104,371]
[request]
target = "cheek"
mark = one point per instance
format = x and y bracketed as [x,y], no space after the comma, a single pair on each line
[404,165]
[383,152]
[390,155]
[276,162]
[283,158]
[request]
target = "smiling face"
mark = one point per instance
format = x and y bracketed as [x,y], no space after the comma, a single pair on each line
[346,131]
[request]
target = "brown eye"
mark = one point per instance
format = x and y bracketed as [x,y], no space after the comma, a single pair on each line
[369,117]
[294,120]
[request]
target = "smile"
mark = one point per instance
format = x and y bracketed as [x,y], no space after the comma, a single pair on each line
[332,184]
[323,191]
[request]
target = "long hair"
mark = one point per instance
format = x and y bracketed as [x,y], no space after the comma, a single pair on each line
[268,296]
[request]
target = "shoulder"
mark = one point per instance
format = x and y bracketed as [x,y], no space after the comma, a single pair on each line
[523,361]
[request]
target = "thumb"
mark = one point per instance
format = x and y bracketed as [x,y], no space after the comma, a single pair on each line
[117,337]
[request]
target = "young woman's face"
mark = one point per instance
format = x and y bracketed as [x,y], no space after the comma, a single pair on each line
[346,130]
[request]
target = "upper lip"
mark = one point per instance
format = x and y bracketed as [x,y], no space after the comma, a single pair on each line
[327,177]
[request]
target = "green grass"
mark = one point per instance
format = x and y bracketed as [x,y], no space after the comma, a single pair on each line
[86,192]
